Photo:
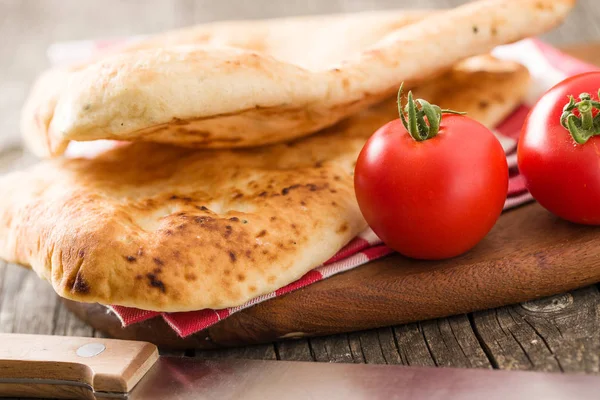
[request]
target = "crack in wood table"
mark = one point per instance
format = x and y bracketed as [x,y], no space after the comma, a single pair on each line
[556,334]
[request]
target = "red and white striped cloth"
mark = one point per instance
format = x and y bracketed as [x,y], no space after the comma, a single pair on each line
[547,66]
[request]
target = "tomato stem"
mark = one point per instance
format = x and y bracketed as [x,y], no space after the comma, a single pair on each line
[416,111]
[585,126]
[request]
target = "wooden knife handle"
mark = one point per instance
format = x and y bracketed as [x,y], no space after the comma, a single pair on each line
[71,367]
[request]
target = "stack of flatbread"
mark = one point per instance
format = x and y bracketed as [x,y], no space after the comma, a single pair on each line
[235,142]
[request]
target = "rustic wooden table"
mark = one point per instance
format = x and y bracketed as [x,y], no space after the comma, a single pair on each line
[559,334]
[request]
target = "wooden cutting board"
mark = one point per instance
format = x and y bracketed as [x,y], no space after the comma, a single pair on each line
[529,254]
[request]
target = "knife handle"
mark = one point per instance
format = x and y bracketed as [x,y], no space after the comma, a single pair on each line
[71,367]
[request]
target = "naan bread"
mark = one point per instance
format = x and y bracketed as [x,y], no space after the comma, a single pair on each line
[294,40]
[484,86]
[233,85]
[173,229]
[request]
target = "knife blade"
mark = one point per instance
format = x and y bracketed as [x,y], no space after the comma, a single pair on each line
[88,368]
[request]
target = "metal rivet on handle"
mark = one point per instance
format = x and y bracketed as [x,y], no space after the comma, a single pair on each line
[90,350]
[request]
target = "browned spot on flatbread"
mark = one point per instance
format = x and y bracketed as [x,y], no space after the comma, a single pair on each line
[286,190]
[295,229]
[158,261]
[540,5]
[154,282]
[261,233]
[190,277]
[203,220]
[80,285]
[342,228]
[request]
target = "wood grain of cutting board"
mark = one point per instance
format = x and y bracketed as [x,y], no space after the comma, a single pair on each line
[529,254]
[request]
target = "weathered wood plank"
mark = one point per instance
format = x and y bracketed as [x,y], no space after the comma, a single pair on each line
[580,26]
[377,346]
[444,342]
[389,347]
[412,345]
[452,343]
[560,333]
[356,349]
[498,341]
[13,157]
[12,282]
[294,350]
[66,324]
[569,325]
[28,303]
[334,348]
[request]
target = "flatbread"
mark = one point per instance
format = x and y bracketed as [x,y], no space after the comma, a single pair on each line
[292,40]
[481,85]
[227,87]
[173,229]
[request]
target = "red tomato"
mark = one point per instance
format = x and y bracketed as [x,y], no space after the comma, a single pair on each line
[562,175]
[435,198]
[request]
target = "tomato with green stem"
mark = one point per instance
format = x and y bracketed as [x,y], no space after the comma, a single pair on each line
[559,150]
[433,183]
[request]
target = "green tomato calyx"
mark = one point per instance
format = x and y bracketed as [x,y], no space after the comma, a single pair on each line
[416,111]
[585,126]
